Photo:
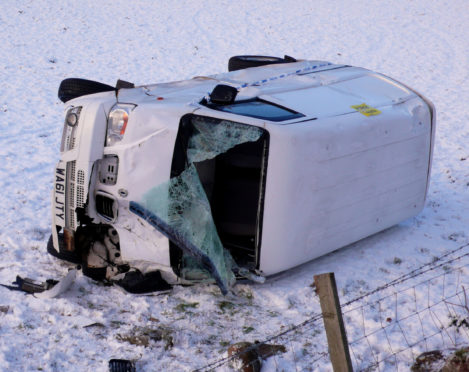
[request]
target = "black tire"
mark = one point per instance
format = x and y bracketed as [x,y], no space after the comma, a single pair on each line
[72,257]
[241,62]
[73,88]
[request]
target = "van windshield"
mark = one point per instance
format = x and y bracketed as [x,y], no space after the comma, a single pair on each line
[211,208]
[259,109]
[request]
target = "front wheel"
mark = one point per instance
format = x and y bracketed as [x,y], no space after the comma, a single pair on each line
[241,62]
[72,88]
[62,254]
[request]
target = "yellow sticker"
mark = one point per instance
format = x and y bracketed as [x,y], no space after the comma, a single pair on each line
[366,110]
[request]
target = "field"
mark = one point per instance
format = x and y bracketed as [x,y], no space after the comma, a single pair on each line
[423,44]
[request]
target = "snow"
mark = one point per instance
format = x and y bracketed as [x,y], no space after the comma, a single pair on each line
[423,44]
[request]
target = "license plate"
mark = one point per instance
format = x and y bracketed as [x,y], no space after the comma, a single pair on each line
[59,195]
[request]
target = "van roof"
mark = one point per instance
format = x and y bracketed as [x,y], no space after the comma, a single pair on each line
[314,89]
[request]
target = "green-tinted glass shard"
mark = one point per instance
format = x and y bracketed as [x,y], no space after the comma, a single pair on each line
[183,205]
[210,140]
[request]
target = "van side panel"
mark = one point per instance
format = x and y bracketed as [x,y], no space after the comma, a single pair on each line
[341,179]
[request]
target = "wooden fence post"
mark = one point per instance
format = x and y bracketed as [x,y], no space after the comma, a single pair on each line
[332,315]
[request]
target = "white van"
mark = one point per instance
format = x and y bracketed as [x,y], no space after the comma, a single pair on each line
[241,174]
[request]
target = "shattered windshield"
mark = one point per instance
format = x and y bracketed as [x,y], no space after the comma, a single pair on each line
[180,208]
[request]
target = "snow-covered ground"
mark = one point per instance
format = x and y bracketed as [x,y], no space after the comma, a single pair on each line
[423,44]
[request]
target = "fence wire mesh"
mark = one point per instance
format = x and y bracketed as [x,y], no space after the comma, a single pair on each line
[390,331]
[387,328]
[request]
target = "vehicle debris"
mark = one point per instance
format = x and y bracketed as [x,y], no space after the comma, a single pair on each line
[61,287]
[121,365]
[49,289]
[29,285]
[138,283]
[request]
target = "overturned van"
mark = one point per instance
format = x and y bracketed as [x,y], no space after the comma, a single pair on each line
[241,174]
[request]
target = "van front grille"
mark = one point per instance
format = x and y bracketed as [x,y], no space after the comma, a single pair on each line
[105,206]
[75,193]
[80,189]
[70,218]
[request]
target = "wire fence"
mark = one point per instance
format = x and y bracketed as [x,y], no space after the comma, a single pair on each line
[387,328]
[389,332]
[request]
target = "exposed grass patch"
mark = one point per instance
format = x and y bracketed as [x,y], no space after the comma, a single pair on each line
[273,314]
[425,361]
[226,305]
[141,336]
[248,329]
[183,307]
[247,294]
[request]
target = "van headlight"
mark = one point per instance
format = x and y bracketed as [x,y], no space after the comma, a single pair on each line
[117,122]
[69,133]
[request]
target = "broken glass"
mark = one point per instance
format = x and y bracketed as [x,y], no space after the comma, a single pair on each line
[210,140]
[180,208]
